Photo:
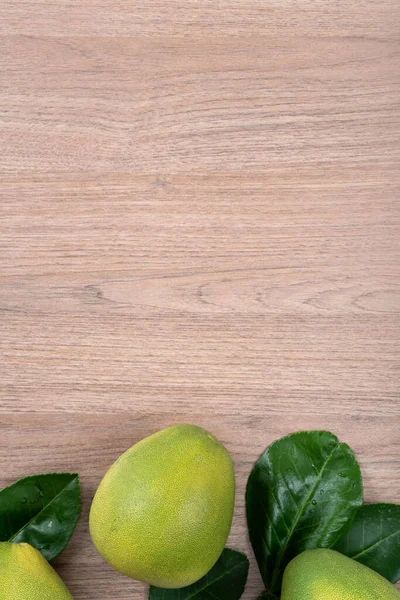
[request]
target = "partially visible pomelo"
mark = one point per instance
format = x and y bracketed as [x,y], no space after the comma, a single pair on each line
[26,575]
[163,512]
[328,575]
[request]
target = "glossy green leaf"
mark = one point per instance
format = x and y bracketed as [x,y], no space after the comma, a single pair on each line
[41,510]
[374,539]
[303,493]
[225,581]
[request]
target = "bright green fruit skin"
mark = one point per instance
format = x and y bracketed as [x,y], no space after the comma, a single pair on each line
[328,575]
[163,512]
[26,575]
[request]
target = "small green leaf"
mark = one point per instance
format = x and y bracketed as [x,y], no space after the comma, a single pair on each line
[374,539]
[41,510]
[225,581]
[302,493]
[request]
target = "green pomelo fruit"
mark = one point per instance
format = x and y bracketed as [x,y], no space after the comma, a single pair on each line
[163,512]
[26,575]
[328,575]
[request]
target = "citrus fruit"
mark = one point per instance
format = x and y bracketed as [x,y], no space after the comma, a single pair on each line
[163,511]
[26,575]
[328,575]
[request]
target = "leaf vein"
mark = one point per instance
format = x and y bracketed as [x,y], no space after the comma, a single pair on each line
[380,541]
[299,514]
[40,512]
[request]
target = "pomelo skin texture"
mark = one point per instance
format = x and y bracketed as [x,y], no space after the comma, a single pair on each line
[328,575]
[163,512]
[26,575]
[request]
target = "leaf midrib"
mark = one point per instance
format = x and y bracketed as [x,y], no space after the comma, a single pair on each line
[365,550]
[210,583]
[215,580]
[44,508]
[299,514]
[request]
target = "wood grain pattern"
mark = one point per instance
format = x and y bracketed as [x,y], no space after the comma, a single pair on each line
[199,221]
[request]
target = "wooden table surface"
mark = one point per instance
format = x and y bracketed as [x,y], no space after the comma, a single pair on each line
[199,222]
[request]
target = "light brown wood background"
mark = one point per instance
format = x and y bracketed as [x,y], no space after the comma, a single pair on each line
[199,222]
